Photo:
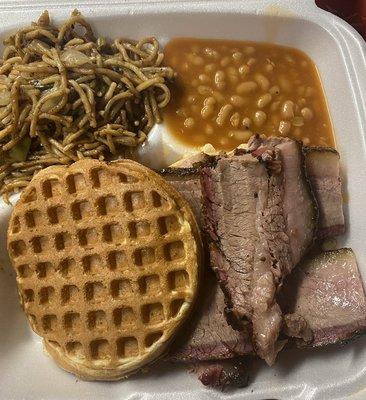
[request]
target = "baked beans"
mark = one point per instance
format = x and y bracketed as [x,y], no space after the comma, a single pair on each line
[226,90]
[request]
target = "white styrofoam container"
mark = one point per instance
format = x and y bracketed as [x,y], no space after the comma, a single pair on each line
[340,55]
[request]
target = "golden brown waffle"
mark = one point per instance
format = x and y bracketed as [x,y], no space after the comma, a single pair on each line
[107,259]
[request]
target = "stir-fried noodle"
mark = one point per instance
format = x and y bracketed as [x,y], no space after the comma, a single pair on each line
[65,95]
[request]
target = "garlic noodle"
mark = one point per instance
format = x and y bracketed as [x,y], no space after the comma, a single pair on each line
[65,95]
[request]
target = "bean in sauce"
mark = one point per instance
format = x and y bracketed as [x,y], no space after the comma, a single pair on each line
[226,90]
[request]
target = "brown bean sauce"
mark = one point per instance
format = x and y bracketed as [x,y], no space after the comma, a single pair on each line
[227,90]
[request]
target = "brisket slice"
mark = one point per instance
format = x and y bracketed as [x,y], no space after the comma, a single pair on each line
[209,342]
[249,247]
[327,291]
[323,171]
[299,205]
[322,165]
[203,338]
[209,336]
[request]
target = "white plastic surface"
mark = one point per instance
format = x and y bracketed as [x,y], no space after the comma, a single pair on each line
[340,54]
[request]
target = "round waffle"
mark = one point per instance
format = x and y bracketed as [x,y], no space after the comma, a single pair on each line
[107,258]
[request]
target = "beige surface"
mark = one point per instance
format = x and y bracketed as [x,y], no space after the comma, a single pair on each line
[107,259]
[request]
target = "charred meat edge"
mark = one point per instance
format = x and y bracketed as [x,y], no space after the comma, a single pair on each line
[331,231]
[231,373]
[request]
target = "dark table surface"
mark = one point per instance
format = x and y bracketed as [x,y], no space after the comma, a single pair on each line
[352,11]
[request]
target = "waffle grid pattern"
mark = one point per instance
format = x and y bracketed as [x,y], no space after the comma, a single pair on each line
[103,261]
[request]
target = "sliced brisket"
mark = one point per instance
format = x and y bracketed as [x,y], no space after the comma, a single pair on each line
[209,336]
[299,205]
[210,343]
[322,165]
[323,171]
[249,246]
[327,291]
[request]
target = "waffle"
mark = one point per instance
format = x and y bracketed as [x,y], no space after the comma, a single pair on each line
[108,260]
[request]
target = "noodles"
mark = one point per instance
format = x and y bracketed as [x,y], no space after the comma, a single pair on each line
[65,95]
